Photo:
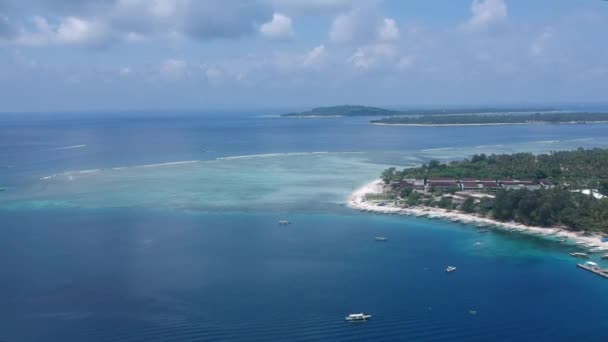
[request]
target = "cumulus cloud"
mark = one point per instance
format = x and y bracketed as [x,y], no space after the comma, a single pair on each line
[69,30]
[388,31]
[173,70]
[224,19]
[315,57]
[538,46]
[357,25]
[486,13]
[373,56]
[85,21]
[6,29]
[311,6]
[279,27]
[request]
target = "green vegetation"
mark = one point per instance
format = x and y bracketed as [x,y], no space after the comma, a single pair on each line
[374,111]
[495,119]
[552,207]
[579,169]
[345,111]
[558,206]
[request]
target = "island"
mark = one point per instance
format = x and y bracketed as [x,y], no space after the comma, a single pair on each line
[502,119]
[560,194]
[358,111]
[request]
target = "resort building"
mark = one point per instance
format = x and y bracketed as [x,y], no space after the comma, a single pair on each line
[444,184]
[483,185]
[546,184]
[514,184]
[414,184]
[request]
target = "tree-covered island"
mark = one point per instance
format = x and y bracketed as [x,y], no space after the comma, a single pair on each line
[358,111]
[560,189]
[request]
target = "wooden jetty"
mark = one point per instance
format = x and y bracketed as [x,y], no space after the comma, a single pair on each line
[593,268]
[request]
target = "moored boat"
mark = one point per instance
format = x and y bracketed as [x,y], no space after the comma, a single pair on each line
[360,317]
[579,255]
[450,269]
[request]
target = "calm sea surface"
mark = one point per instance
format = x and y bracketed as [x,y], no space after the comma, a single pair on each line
[163,227]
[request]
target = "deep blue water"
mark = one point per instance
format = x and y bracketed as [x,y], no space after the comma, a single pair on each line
[147,274]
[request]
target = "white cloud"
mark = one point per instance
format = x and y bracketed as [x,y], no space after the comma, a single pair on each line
[538,46]
[173,70]
[311,5]
[373,56]
[343,27]
[279,27]
[363,25]
[486,13]
[315,57]
[405,63]
[388,31]
[214,74]
[69,30]
[125,71]
[95,22]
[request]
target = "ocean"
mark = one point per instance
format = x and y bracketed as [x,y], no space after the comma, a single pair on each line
[163,227]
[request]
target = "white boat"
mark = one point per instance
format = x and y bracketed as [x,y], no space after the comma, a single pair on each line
[598,250]
[284,222]
[381,239]
[579,255]
[450,269]
[360,317]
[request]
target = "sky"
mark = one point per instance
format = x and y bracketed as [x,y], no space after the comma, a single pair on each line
[237,54]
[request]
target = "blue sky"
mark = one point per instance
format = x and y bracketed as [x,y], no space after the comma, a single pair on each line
[203,54]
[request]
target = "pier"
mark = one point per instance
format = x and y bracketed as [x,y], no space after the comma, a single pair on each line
[593,267]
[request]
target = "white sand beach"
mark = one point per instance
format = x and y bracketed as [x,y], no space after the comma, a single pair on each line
[357,200]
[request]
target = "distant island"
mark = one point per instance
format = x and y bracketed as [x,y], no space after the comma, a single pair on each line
[357,111]
[510,119]
[559,194]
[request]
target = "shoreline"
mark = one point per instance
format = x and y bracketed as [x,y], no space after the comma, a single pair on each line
[490,124]
[357,200]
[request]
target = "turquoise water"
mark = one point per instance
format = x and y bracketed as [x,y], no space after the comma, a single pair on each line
[137,251]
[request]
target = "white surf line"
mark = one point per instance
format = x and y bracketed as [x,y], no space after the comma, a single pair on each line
[586,139]
[118,168]
[437,149]
[89,171]
[270,155]
[67,147]
[170,163]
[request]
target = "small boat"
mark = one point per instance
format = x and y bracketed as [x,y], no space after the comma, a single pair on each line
[450,269]
[284,223]
[579,255]
[381,239]
[598,250]
[455,220]
[605,256]
[483,230]
[360,317]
